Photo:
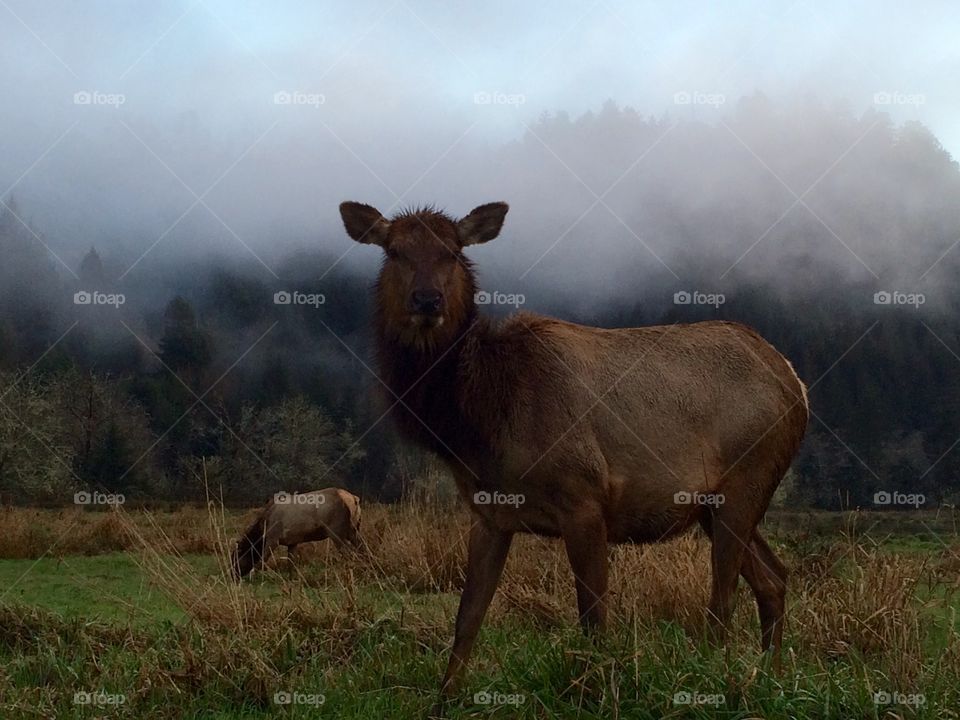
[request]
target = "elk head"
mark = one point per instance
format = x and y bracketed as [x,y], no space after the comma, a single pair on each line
[425,292]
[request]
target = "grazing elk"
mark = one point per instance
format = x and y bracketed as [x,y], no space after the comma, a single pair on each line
[626,435]
[291,519]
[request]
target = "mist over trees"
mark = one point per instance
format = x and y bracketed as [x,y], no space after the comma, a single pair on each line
[831,233]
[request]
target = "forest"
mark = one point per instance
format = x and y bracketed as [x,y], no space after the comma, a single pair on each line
[198,375]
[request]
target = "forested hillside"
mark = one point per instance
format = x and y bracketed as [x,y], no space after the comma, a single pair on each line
[178,372]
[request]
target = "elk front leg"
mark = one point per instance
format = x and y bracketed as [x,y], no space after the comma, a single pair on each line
[486,555]
[585,539]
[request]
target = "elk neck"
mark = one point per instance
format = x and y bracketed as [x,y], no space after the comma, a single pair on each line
[425,373]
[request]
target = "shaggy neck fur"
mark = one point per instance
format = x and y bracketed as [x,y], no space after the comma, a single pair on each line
[423,367]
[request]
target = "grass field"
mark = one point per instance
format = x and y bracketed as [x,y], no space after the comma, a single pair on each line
[129,614]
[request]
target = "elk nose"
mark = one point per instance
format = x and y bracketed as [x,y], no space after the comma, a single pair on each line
[427,301]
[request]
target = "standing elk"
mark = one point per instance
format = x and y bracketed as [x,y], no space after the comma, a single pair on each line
[624,435]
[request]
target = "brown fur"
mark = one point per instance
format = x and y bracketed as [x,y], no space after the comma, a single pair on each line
[320,514]
[598,429]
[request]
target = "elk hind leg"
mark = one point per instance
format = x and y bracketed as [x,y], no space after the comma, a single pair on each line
[730,540]
[767,577]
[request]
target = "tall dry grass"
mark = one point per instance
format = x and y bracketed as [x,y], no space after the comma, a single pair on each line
[848,598]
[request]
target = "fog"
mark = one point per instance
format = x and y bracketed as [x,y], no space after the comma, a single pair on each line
[635,144]
[792,161]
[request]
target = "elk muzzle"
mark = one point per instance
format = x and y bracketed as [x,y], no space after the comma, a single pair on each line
[426,302]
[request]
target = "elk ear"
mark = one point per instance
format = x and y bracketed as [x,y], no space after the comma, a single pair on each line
[482,224]
[363,223]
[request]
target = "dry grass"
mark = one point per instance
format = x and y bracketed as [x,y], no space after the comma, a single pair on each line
[31,533]
[848,594]
[848,597]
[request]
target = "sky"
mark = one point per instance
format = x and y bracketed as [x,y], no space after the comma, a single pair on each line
[140,125]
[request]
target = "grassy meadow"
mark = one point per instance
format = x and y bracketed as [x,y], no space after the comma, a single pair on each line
[131,614]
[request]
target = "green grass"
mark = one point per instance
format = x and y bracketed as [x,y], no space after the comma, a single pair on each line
[101,587]
[393,670]
[114,588]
